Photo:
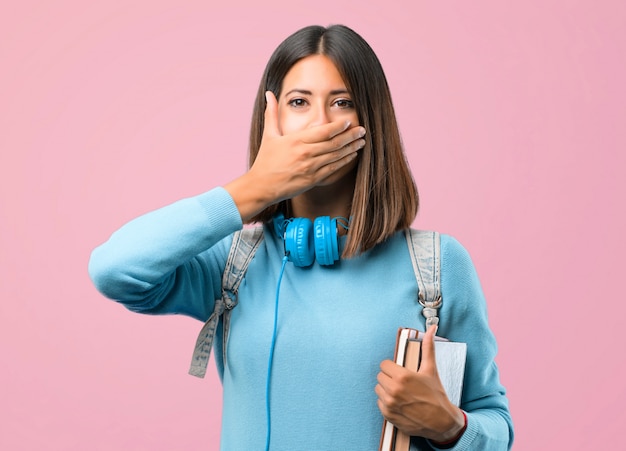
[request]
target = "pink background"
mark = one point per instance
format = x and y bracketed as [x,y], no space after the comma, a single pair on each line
[513,120]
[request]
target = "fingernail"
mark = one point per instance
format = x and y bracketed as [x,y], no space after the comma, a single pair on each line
[362,131]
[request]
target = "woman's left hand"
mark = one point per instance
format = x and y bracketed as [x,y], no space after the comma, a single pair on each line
[416,402]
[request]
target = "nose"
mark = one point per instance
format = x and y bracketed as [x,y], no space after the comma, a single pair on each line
[319,115]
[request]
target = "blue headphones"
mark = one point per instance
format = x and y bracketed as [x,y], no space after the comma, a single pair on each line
[306,241]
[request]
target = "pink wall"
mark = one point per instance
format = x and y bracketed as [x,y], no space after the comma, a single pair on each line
[513,119]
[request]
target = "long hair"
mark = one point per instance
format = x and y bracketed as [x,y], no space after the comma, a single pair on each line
[385,197]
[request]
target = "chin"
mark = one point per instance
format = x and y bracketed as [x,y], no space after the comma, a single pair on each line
[347,174]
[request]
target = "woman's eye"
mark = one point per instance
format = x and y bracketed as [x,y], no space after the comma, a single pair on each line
[344,103]
[297,102]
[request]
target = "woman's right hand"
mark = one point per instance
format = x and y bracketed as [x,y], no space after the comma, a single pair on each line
[288,165]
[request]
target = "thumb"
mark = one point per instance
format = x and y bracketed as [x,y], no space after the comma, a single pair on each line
[428,364]
[270,127]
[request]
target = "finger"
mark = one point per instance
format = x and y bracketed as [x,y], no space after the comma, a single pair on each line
[383,381]
[385,401]
[337,160]
[270,127]
[380,392]
[389,368]
[428,364]
[338,133]
[350,141]
[384,410]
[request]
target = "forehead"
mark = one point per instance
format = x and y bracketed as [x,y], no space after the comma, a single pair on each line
[313,73]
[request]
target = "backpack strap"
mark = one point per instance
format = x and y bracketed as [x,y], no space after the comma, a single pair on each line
[242,250]
[424,247]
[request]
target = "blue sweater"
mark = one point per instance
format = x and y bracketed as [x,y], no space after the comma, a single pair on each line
[335,325]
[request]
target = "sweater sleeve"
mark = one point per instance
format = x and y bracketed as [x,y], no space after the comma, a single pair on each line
[464,319]
[169,260]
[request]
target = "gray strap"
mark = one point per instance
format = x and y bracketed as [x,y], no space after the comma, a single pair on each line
[204,342]
[424,247]
[244,245]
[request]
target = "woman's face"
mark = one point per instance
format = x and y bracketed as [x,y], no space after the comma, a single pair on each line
[313,93]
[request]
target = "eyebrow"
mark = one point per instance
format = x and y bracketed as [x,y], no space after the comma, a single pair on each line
[306,92]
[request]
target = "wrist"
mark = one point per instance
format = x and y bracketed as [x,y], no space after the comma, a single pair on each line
[453,435]
[250,195]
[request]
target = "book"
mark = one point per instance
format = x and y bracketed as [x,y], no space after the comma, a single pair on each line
[388,436]
[412,356]
[450,358]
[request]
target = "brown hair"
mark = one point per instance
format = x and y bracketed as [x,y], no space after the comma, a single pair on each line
[385,197]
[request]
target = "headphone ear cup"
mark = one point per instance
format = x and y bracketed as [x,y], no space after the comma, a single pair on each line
[299,242]
[326,248]
[279,225]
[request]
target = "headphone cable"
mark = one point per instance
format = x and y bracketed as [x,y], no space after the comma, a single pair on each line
[271,357]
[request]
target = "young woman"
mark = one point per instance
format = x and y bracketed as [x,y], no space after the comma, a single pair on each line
[324,142]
